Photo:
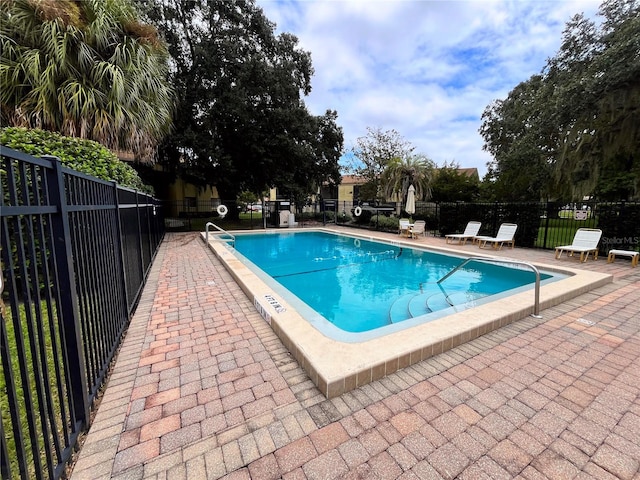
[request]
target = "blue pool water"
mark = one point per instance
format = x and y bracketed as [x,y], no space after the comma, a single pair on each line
[360,285]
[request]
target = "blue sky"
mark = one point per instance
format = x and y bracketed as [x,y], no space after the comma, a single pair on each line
[426,68]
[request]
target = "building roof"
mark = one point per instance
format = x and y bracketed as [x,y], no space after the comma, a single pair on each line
[352,180]
[469,172]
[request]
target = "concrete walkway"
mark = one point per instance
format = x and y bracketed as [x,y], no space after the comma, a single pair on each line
[203,389]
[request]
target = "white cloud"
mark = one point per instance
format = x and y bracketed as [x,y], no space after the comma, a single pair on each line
[426,68]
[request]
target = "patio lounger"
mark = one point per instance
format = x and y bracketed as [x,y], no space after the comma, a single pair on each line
[585,241]
[506,234]
[403,226]
[419,228]
[470,232]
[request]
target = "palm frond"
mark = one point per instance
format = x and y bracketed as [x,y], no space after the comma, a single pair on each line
[89,69]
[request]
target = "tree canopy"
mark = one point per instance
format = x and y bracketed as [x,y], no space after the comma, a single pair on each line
[563,132]
[85,69]
[373,153]
[452,185]
[241,121]
[375,150]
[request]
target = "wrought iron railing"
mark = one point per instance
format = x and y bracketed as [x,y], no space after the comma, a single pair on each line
[75,254]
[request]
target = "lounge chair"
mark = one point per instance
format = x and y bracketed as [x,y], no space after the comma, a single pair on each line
[470,232]
[506,234]
[403,226]
[419,228]
[585,241]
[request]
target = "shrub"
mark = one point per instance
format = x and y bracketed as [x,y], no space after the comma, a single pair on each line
[85,156]
[384,223]
[344,218]
[364,218]
[328,216]
[620,225]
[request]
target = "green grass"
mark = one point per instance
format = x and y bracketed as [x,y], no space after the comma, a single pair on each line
[246,221]
[561,230]
[49,363]
[560,235]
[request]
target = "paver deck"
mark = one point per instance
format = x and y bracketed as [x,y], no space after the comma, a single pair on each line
[202,388]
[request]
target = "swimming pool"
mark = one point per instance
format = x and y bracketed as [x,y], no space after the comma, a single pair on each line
[336,365]
[360,285]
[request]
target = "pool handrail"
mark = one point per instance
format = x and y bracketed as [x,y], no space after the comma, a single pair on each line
[232,238]
[536,305]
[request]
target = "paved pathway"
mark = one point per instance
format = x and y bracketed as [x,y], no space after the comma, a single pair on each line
[203,389]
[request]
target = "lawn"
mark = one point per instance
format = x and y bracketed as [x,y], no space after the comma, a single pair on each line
[247,221]
[560,231]
[34,343]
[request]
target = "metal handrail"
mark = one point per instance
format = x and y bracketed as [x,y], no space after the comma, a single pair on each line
[206,229]
[536,305]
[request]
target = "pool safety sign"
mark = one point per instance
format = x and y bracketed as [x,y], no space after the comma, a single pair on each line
[271,300]
[580,214]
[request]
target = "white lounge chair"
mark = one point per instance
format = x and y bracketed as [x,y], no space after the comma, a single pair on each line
[506,234]
[585,241]
[403,226]
[419,228]
[470,232]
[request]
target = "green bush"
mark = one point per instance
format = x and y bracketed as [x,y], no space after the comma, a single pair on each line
[384,223]
[344,218]
[455,215]
[364,218]
[328,216]
[85,156]
[620,225]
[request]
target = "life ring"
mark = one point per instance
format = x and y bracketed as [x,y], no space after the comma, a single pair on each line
[357,211]
[356,242]
[222,210]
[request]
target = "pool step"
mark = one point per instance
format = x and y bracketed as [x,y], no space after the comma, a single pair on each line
[468,299]
[418,305]
[429,301]
[438,301]
[412,305]
[399,309]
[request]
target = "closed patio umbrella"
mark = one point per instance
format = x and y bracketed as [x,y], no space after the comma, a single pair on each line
[410,207]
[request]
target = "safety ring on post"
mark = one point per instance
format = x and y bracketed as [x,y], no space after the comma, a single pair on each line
[357,211]
[222,210]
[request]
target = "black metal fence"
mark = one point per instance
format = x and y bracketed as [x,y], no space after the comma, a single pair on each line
[540,224]
[549,224]
[75,254]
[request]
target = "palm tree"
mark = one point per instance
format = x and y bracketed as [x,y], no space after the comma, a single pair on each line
[86,69]
[400,173]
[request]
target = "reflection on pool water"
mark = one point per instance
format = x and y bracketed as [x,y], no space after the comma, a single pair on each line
[358,285]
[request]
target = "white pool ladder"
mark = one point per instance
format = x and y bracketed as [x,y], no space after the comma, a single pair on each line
[536,305]
[231,238]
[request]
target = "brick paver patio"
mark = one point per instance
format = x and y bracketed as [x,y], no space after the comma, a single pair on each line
[202,388]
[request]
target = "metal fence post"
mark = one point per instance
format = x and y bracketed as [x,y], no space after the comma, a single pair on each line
[142,266]
[547,213]
[68,301]
[125,289]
